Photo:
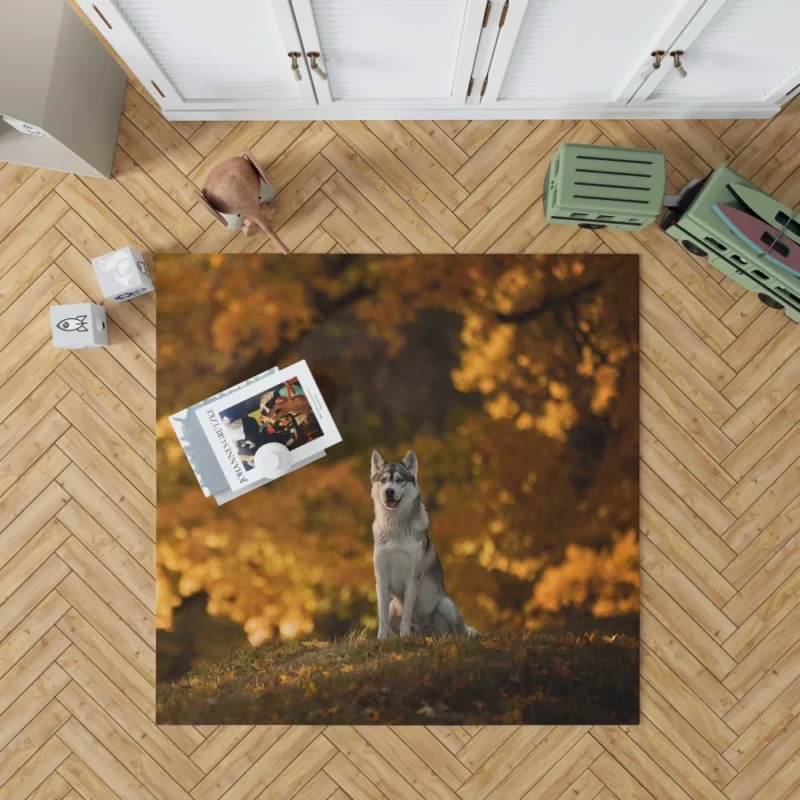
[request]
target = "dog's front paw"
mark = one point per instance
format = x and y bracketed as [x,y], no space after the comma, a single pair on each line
[383,633]
[405,630]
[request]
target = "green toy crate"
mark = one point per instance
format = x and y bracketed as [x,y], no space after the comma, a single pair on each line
[695,224]
[605,187]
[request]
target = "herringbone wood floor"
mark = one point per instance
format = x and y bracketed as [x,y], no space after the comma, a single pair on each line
[720,509]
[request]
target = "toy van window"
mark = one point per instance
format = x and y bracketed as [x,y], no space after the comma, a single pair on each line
[759,274]
[715,243]
[779,247]
[737,259]
[579,214]
[791,225]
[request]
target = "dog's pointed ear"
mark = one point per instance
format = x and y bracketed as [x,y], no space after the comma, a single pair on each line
[410,463]
[377,463]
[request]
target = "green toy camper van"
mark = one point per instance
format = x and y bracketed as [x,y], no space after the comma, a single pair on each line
[696,225]
[605,187]
[614,187]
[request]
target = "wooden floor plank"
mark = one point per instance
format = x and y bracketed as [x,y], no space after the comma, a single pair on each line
[159,168]
[687,378]
[364,218]
[209,135]
[683,519]
[37,769]
[159,131]
[93,769]
[26,198]
[113,592]
[503,762]
[760,733]
[429,171]
[691,634]
[766,435]
[764,400]
[299,153]
[476,133]
[684,447]
[136,724]
[353,783]
[30,267]
[765,692]
[686,740]
[681,554]
[707,686]
[407,762]
[119,743]
[566,771]
[237,762]
[780,569]
[677,585]
[438,144]
[31,593]
[151,196]
[108,624]
[31,720]
[12,176]
[419,223]
[533,150]
[30,230]
[639,764]
[720,507]
[31,629]
[686,702]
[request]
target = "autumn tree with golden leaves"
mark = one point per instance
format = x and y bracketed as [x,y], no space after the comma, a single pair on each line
[515,378]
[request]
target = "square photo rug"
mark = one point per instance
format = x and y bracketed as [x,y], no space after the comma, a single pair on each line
[454,540]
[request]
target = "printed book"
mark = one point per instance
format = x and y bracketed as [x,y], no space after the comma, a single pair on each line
[221,434]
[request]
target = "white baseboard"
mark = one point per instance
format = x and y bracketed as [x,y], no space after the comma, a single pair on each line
[749,111]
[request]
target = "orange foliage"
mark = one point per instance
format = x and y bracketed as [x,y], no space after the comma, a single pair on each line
[604,583]
[514,378]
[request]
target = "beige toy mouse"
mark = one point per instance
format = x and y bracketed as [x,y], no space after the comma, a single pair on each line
[238,193]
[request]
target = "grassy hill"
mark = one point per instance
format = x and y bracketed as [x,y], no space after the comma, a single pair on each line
[511,678]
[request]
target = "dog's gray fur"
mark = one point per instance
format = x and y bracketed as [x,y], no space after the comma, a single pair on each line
[408,573]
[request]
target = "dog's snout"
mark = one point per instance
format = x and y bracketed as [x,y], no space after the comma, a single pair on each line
[390,493]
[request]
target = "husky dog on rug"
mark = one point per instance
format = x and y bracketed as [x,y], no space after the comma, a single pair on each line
[408,573]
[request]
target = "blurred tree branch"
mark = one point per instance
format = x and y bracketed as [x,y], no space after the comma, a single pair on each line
[552,304]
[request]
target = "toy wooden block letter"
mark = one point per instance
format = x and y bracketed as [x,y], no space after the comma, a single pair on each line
[79,325]
[122,274]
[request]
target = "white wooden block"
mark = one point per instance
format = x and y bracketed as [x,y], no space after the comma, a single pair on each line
[122,274]
[79,325]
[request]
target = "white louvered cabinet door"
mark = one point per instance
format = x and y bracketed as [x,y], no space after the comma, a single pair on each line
[207,55]
[385,54]
[735,51]
[574,54]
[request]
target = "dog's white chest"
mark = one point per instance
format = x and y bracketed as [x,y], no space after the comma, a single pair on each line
[397,563]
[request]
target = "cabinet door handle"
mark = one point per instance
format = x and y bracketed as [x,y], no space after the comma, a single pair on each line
[657,55]
[312,57]
[676,58]
[295,66]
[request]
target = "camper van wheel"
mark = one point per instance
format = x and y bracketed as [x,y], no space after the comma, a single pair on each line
[592,226]
[769,301]
[693,248]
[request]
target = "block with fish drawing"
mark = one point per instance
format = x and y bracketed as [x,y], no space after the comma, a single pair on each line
[79,325]
[122,274]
